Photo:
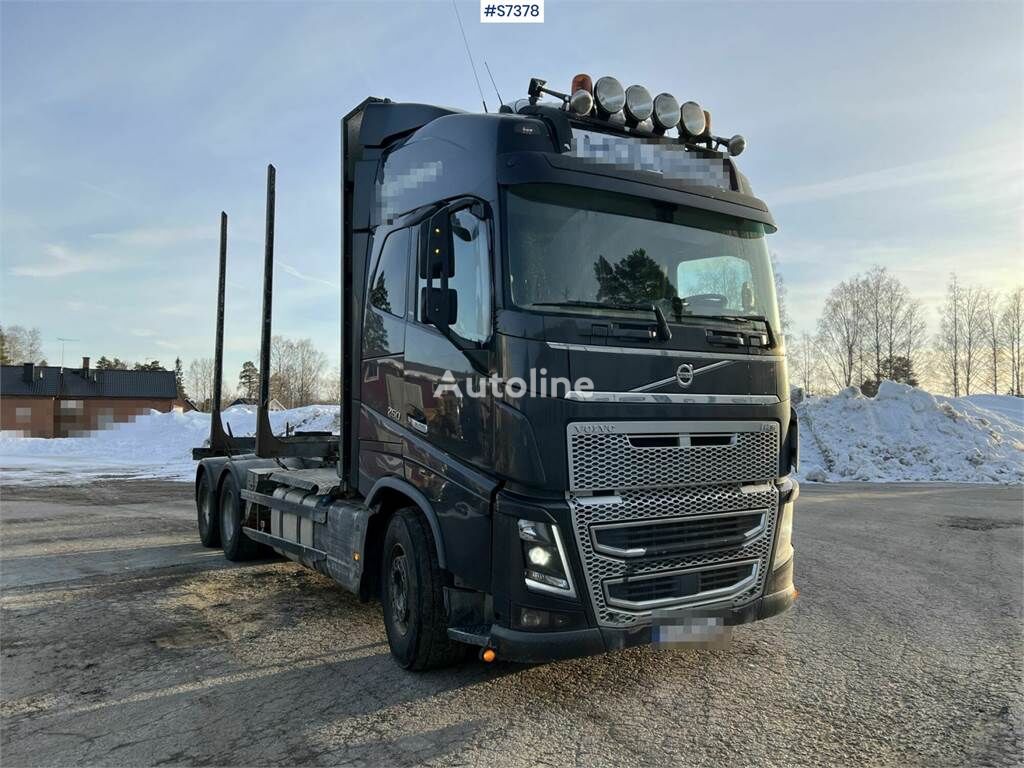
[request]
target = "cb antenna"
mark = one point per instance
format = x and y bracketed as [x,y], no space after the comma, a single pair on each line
[472,66]
[501,101]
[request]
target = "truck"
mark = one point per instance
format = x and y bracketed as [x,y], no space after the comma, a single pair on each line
[565,425]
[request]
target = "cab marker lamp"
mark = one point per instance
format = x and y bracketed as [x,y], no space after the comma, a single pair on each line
[666,112]
[639,104]
[609,96]
[546,568]
[692,122]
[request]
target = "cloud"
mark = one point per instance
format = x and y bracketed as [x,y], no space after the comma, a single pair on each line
[289,269]
[157,236]
[77,305]
[62,261]
[178,310]
[989,165]
[144,333]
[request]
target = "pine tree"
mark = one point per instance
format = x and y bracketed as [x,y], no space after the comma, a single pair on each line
[179,378]
[249,381]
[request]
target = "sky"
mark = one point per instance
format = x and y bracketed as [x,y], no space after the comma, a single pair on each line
[878,133]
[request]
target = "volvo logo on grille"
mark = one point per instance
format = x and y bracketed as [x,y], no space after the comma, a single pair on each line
[592,429]
[684,375]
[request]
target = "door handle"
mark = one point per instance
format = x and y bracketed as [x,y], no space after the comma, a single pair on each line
[417,420]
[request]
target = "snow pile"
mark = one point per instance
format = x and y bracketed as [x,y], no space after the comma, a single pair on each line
[157,445]
[905,434]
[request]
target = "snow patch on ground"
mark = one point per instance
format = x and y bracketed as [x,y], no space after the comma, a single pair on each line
[902,435]
[905,434]
[157,445]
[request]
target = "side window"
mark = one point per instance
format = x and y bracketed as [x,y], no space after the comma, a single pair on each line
[472,279]
[389,285]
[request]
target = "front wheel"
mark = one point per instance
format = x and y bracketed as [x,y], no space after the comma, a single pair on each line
[237,546]
[208,513]
[412,593]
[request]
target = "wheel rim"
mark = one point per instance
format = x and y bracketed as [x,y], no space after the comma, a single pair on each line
[227,517]
[204,508]
[398,589]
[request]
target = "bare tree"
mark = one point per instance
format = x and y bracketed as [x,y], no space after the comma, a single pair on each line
[973,336]
[840,333]
[331,386]
[1011,327]
[992,336]
[309,369]
[199,381]
[19,344]
[805,369]
[950,333]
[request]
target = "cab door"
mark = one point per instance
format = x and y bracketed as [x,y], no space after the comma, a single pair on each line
[384,338]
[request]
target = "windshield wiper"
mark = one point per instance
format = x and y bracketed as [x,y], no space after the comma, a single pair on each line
[747,319]
[664,332]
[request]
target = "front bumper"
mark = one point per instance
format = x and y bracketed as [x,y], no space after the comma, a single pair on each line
[539,647]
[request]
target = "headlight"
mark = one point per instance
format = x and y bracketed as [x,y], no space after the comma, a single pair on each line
[784,537]
[639,104]
[545,567]
[736,145]
[691,118]
[609,95]
[666,111]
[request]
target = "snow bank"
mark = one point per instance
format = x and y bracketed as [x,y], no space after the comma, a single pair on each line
[157,445]
[905,434]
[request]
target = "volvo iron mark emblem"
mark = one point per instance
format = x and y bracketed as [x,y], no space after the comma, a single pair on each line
[684,375]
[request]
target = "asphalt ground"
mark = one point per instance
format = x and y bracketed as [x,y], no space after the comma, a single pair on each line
[124,642]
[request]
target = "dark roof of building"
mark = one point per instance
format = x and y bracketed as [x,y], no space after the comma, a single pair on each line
[44,382]
[51,381]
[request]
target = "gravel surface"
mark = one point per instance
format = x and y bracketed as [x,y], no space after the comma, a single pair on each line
[125,643]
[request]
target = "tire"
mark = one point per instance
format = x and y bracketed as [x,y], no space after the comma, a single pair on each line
[412,593]
[237,546]
[207,513]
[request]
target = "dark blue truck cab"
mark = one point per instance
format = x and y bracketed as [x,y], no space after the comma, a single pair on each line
[565,416]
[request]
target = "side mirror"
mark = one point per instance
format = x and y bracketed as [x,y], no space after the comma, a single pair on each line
[440,306]
[437,261]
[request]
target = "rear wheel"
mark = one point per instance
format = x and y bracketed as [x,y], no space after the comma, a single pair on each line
[208,513]
[412,593]
[237,546]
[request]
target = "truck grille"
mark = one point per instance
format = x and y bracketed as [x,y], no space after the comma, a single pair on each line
[672,513]
[650,538]
[619,455]
[679,587]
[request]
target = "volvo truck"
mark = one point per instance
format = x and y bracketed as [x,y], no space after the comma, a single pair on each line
[565,424]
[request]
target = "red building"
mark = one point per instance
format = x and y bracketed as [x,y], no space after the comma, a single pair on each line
[48,401]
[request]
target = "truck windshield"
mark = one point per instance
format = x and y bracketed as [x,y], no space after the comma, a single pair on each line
[582,250]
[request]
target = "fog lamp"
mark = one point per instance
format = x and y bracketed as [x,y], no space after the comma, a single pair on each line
[639,104]
[609,95]
[736,145]
[581,102]
[691,117]
[666,111]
